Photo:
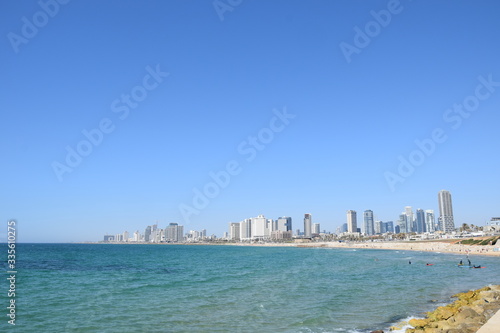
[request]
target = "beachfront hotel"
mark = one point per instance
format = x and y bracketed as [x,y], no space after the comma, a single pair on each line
[307,225]
[352,225]
[368,224]
[446,221]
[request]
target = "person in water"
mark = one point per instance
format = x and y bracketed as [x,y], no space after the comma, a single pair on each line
[460,263]
[469,262]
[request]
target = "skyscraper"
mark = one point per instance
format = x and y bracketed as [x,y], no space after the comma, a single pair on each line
[389,226]
[260,227]
[246,229]
[429,220]
[147,234]
[379,227]
[174,233]
[402,223]
[446,221]
[368,222]
[307,225]
[420,221]
[410,219]
[352,224]
[284,223]
[234,231]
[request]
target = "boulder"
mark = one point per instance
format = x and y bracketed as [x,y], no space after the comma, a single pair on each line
[418,323]
[432,330]
[441,313]
[466,313]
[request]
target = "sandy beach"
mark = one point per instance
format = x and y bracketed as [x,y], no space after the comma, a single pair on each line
[429,246]
[443,246]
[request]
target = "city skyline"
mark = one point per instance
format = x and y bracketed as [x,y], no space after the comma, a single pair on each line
[176,112]
[419,221]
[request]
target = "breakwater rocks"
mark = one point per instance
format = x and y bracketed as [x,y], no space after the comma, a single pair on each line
[467,314]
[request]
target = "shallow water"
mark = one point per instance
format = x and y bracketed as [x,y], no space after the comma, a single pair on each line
[175,288]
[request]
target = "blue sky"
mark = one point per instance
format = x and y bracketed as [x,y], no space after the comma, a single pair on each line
[351,115]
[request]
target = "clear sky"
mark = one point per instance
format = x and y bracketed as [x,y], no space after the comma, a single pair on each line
[115,113]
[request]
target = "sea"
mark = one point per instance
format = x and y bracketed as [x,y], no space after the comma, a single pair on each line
[202,288]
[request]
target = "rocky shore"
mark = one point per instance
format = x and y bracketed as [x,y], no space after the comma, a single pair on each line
[467,314]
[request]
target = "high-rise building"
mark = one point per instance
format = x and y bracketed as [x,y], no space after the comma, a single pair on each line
[389,226]
[316,229]
[246,229]
[260,227]
[379,228]
[410,219]
[446,212]
[147,234]
[352,224]
[174,233]
[420,221]
[109,238]
[234,231]
[402,223]
[368,223]
[284,224]
[430,223]
[307,225]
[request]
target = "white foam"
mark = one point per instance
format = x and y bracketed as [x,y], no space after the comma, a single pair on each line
[403,324]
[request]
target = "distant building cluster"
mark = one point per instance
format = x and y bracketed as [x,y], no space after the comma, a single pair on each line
[419,222]
[262,229]
[173,233]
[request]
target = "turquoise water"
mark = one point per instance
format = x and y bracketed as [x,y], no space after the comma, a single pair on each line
[175,288]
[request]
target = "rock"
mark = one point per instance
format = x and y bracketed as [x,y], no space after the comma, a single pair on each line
[445,327]
[457,330]
[431,330]
[418,323]
[442,312]
[466,313]
[377,331]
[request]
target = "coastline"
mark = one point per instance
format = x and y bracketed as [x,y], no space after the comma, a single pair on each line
[437,246]
[426,246]
[474,311]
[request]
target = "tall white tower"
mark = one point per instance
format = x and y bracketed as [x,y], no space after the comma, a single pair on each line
[446,221]
[307,225]
[352,224]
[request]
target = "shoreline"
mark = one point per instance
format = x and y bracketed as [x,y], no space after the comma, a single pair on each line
[474,311]
[424,246]
[437,246]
